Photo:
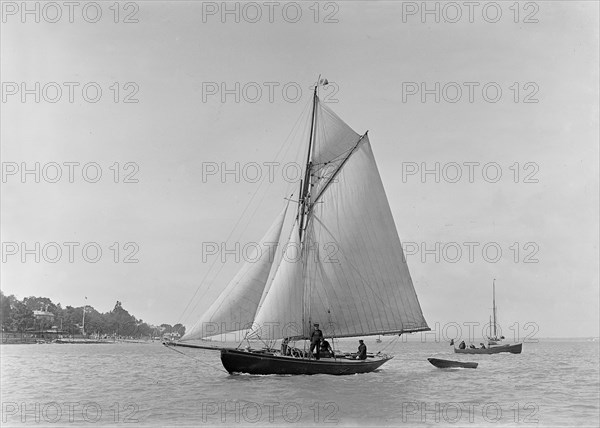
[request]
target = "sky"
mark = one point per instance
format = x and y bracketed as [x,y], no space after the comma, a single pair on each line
[511,105]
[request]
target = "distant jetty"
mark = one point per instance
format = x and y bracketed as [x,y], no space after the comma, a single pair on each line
[82,341]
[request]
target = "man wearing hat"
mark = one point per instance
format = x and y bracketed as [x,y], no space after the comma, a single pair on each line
[315,340]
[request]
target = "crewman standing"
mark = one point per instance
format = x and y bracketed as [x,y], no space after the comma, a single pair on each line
[315,341]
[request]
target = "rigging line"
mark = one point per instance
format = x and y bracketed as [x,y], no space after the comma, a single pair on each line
[247,339]
[293,131]
[392,342]
[196,359]
[297,159]
[263,180]
[195,293]
[285,142]
[213,264]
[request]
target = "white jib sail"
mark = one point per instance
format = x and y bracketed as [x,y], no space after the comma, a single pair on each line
[280,313]
[236,306]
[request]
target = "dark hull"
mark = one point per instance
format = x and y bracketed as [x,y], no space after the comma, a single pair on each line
[447,364]
[236,361]
[513,349]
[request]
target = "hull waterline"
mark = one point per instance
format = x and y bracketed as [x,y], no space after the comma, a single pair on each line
[236,361]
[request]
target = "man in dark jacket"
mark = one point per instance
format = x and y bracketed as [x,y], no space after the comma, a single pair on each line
[362,350]
[315,341]
[326,349]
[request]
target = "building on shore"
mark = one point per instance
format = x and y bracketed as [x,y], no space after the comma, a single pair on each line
[44,316]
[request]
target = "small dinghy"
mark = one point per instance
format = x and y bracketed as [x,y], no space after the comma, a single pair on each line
[448,364]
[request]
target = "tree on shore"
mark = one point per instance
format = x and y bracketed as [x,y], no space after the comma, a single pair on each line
[5,309]
[180,329]
[18,316]
[21,317]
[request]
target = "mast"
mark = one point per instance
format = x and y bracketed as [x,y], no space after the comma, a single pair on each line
[304,201]
[494,306]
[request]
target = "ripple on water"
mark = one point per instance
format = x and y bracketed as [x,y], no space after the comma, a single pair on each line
[556,383]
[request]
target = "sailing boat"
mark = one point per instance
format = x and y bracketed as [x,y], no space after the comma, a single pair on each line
[366,290]
[493,341]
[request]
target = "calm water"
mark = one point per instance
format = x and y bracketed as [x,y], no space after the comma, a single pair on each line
[551,384]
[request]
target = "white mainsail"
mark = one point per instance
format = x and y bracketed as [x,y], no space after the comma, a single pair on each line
[357,276]
[236,306]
